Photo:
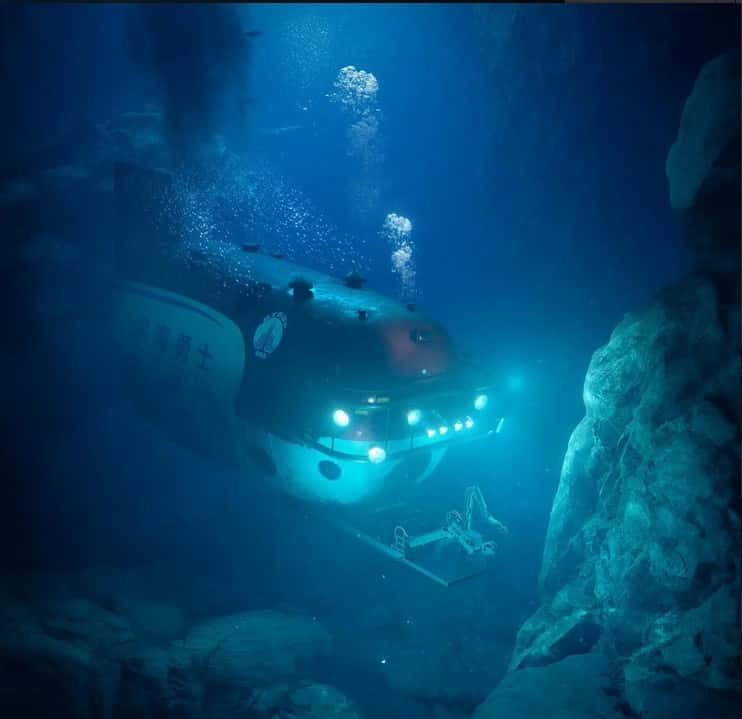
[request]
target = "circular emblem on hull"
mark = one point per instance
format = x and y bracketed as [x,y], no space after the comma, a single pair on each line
[268,335]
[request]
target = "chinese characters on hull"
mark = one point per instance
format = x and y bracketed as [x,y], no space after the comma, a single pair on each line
[180,348]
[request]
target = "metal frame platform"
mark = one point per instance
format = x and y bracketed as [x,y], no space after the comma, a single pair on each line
[457,533]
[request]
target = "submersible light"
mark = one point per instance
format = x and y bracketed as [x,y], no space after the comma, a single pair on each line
[468,423]
[340,418]
[376,454]
[443,429]
[430,432]
[457,425]
[480,401]
[413,417]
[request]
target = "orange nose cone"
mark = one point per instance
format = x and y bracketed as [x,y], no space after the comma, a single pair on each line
[417,350]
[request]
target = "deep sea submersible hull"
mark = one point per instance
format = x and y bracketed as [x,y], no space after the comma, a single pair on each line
[333,392]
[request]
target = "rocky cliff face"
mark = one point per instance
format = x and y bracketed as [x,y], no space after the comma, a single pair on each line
[640,573]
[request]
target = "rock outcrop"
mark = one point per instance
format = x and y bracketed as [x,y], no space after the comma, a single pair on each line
[255,647]
[303,700]
[55,656]
[642,552]
[576,687]
[641,565]
[67,656]
[703,165]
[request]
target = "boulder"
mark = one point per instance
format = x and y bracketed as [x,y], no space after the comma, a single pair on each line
[157,681]
[576,687]
[689,663]
[285,700]
[83,623]
[65,629]
[142,686]
[56,657]
[255,647]
[310,700]
[64,655]
[565,627]
[152,621]
[294,699]
[703,165]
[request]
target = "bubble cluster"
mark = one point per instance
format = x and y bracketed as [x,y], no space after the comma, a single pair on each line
[355,92]
[216,210]
[364,194]
[305,48]
[363,140]
[355,89]
[396,227]
[396,231]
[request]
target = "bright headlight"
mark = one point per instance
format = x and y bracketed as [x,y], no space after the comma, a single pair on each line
[468,423]
[340,418]
[376,454]
[430,432]
[457,425]
[443,429]
[413,417]
[480,401]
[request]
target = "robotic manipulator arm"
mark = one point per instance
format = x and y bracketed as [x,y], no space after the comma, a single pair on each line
[473,498]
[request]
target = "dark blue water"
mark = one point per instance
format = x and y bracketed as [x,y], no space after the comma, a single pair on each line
[540,215]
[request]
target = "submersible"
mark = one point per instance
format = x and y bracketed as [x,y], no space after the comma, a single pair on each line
[330,391]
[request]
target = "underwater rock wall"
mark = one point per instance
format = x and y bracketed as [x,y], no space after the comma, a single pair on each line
[640,576]
[703,166]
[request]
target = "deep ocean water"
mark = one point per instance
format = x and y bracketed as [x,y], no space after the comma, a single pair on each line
[559,186]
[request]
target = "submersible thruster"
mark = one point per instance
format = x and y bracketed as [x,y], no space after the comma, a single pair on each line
[330,390]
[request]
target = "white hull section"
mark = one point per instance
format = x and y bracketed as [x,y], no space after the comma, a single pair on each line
[298,473]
